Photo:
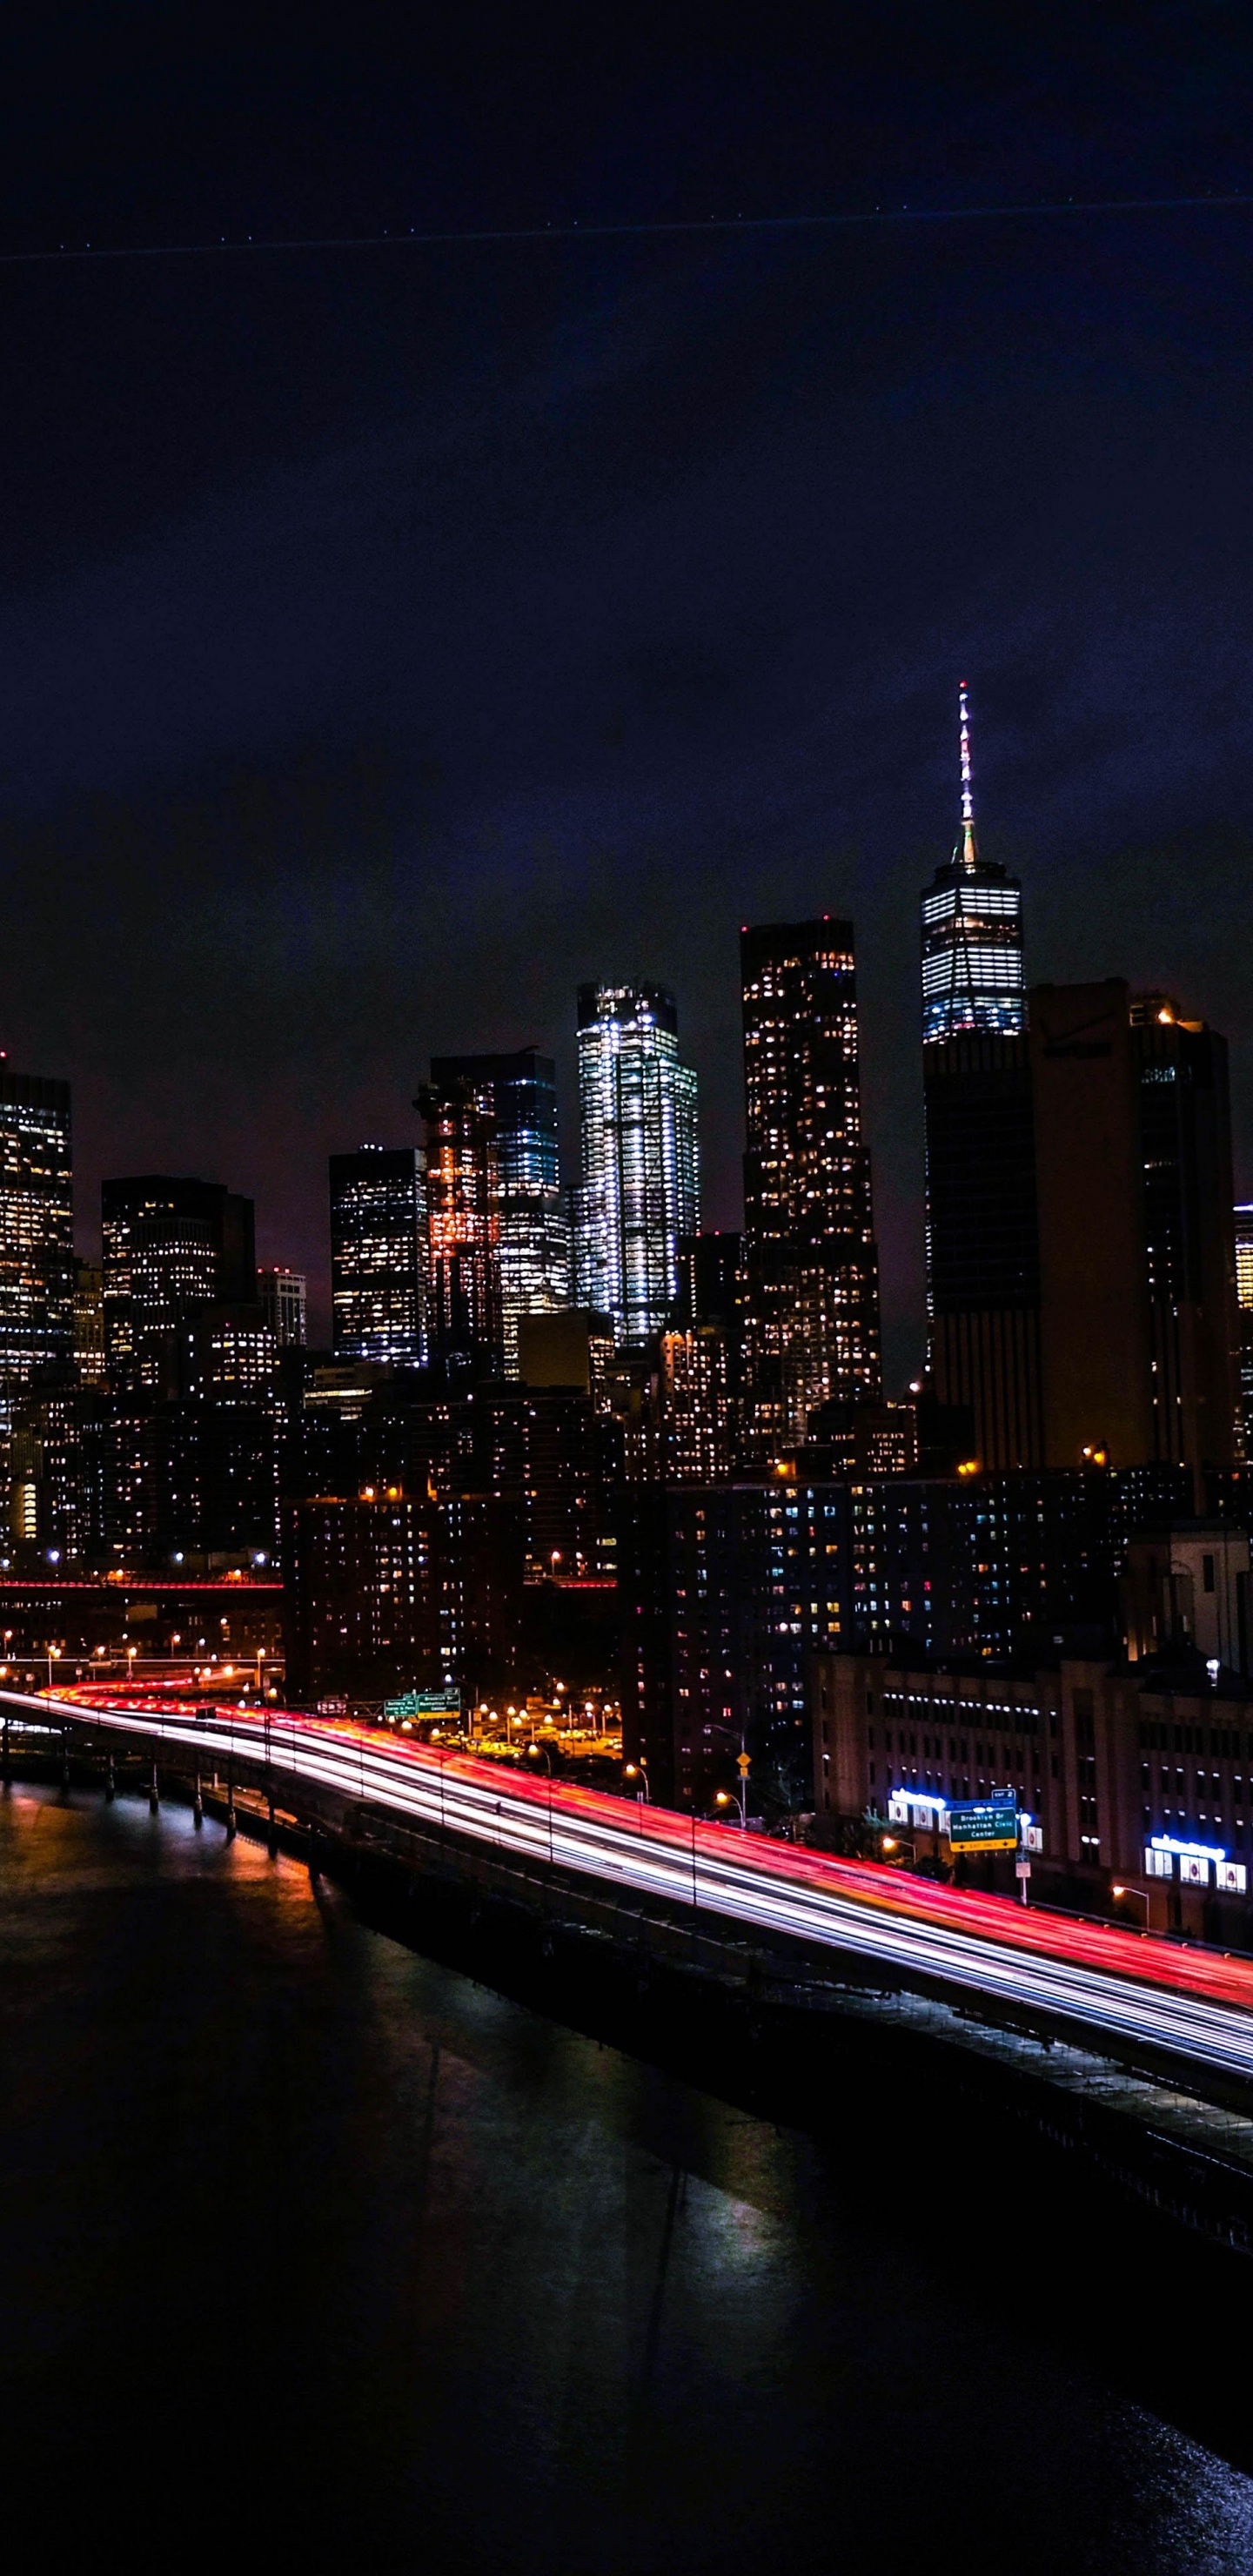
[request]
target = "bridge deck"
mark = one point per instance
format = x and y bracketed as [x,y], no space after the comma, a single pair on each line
[1193,2004]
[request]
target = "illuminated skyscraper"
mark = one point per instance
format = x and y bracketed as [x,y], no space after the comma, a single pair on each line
[283,1295]
[169,1247]
[1244,1295]
[89,1353]
[378,1255]
[36,1230]
[640,1185]
[983,1269]
[812,1318]
[532,1231]
[465,1320]
[971,932]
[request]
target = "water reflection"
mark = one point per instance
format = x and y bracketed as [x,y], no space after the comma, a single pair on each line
[315,2245]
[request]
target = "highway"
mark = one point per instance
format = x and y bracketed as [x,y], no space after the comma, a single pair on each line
[1195,2004]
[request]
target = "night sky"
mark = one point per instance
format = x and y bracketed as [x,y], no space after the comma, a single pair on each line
[394,636]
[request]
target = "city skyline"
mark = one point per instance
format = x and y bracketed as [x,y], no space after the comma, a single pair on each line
[594,600]
[626,1278]
[904,1343]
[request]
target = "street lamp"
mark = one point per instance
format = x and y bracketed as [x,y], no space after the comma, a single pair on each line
[898,1843]
[638,1771]
[733,1798]
[545,1756]
[1141,1897]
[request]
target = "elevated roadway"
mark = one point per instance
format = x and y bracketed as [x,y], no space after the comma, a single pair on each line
[1136,1990]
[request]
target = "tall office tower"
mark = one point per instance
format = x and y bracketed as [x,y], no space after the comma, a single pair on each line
[1244,1300]
[89,1352]
[711,1280]
[971,932]
[283,1295]
[640,1187]
[36,1230]
[532,1227]
[983,1285]
[1139,1323]
[812,1314]
[465,1323]
[169,1247]
[378,1255]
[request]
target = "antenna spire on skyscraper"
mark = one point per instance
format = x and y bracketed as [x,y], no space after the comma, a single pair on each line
[969,859]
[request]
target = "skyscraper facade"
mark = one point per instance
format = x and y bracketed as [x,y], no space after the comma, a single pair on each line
[812,1296]
[1139,1324]
[36,1230]
[972,979]
[284,1298]
[378,1255]
[532,1232]
[1244,1300]
[169,1246]
[639,1190]
[465,1320]
[983,1286]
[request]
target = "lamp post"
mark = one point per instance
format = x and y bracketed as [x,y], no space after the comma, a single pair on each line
[545,1756]
[1139,1893]
[899,1843]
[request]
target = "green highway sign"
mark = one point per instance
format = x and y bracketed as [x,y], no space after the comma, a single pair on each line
[445,1703]
[983,1824]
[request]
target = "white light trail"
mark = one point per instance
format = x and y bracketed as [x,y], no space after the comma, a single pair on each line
[660,1854]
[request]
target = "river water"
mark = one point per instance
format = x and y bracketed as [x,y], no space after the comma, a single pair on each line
[312,2247]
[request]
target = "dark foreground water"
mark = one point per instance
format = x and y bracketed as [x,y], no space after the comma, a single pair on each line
[310,2250]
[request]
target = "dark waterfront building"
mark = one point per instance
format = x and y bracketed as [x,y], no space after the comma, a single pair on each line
[1185,1590]
[463,1168]
[378,1255]
[1133,1777]
[812,1296]
[283,1295]
[639,1190]
[546,1450]
[198,1474]
[1010,1564]
[532,1228]
[387,1592]
[170,1247]
[727,1591]
[1139,1324]
[983,1285]
[59,1458]
[36,1231]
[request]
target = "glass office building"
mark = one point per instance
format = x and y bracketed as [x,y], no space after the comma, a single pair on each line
[36,1230]
[378,1255]
[509,1193]
[811,1265]
[972,979]
[639,1189]
[169,1246]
